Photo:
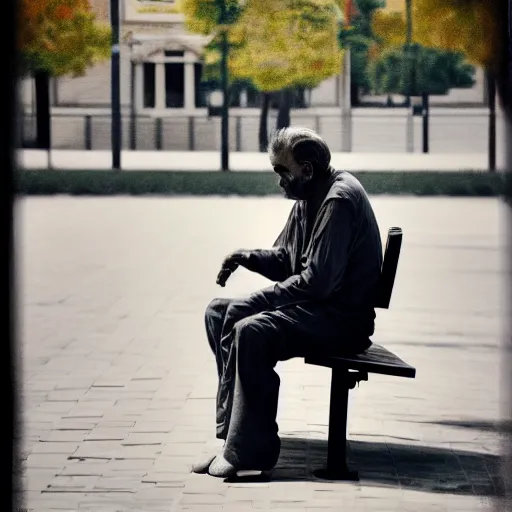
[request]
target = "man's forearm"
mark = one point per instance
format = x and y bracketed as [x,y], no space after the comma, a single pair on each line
[296,289]
[274,264]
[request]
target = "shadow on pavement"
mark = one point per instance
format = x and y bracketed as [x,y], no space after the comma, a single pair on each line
[499,427]
[404,466]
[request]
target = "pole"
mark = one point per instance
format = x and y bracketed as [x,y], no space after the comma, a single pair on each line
[425,114]
[115,87]
[133,118]
[346,110]
[410,119]
[491,90]
[224,86]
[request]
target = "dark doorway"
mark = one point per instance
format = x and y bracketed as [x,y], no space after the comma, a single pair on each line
[149,85]
[174,85]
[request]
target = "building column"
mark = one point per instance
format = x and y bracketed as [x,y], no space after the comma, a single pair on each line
[190,81]
[160,86]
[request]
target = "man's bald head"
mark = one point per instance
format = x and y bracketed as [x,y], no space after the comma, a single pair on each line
[304,145]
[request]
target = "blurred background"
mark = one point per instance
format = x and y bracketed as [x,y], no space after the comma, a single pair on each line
[371,76]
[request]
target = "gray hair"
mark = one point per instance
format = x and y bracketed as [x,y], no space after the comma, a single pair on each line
[305,145]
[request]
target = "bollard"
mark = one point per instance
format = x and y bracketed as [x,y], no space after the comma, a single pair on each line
[88,132]
[238,132]
[191,134]
[158,133]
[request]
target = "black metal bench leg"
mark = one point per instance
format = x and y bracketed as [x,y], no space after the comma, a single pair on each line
[337,468]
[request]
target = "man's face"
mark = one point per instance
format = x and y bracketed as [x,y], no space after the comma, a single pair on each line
[294,177]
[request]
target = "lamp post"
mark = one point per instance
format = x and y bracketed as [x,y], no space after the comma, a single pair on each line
[224,87]
[346,110]
[115,87]
[409,119]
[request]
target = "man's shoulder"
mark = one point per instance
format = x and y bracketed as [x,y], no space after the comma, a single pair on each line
[345,186]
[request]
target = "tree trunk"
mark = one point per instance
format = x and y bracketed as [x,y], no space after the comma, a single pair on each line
[283,116]
[301,98]
[263,131]
[355,99]
[42,85]
[491,101]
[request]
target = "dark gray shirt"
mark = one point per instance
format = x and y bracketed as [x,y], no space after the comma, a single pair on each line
[329,251]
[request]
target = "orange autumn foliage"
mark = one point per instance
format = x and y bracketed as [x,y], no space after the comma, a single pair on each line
[60,36]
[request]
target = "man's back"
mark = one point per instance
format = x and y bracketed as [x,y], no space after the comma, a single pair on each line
[355,290]
[359,286]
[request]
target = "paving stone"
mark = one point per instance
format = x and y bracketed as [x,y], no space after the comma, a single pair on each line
[79,467]
[37,479]
[63,436]
[144,439]
[46,461]
[52,448]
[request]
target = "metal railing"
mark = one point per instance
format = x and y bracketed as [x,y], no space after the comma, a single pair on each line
[371,132]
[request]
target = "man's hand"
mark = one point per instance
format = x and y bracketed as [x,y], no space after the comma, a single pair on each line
[231,263]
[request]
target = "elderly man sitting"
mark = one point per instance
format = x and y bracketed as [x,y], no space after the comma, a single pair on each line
[326,264]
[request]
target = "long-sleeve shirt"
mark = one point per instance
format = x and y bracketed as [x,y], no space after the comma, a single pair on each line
[333,255]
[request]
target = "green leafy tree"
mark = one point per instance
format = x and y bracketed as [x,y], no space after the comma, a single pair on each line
[58,37]
[434,72]
[461,26]
[276,46]
[361,38]
[204,16]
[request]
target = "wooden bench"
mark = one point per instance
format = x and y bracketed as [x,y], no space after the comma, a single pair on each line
[349,371]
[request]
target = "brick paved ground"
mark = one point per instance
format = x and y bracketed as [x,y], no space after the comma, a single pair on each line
[119,385]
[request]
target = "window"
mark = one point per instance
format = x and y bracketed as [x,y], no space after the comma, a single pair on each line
[149,84]
[174,53]
[174,85]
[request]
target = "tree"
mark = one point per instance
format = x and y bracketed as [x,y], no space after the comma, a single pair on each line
[215,18]
[58,37]
[204,16]
[435,71]
[459,26]
[476,29]
[420,71]
[362,40]
[303,50]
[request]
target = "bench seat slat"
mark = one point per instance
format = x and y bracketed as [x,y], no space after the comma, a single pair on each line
[376,359]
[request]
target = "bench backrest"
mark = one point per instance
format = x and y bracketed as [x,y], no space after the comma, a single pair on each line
[389,266]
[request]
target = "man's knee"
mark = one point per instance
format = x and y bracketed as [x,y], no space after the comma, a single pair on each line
[255,333]
[216,307]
